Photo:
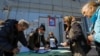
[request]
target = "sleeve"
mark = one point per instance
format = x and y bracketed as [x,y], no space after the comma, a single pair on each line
[4,34]
[47,40]
[43,40]
[97,29]
[56,40]
[22,39]
[77,33]
[31,41]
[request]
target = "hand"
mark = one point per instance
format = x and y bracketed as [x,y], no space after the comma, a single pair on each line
[64,44]
[90,38]
[35,48]
[16,50]
[46,47]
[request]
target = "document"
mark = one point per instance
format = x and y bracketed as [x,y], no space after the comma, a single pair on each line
[24,49]
[41,51]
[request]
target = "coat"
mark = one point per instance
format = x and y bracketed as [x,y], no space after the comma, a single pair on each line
[96,28]
[35,40]
[9,36]
[77,38]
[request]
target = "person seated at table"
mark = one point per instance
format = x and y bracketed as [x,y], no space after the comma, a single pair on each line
[36,38]
[52,41]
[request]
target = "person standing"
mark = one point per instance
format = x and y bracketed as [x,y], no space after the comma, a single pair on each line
[76,38]
[92,11]
[11,32]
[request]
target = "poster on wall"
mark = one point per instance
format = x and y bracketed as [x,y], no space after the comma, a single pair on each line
[52,21]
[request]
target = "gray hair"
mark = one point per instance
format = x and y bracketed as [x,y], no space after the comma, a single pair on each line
[24,23]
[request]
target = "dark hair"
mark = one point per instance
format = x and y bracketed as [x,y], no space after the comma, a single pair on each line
[42,26]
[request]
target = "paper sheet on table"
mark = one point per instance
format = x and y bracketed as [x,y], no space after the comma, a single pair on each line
[41,51]
[24,49]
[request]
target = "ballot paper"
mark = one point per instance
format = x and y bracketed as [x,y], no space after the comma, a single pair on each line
[24,49]
[41,51]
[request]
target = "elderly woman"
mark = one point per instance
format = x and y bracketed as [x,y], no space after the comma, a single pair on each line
[76,41]
[92,11]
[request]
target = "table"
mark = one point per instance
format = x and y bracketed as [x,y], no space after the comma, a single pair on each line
[57,52]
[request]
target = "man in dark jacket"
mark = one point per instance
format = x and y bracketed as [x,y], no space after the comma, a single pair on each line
[10,34]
